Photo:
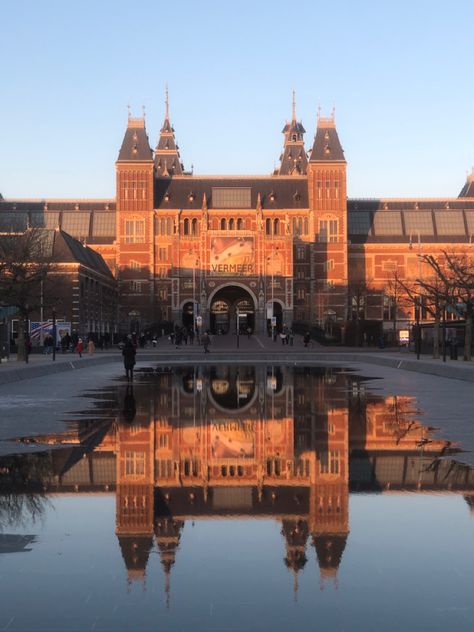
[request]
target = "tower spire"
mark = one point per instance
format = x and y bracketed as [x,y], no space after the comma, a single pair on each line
[293,160]
[167,158]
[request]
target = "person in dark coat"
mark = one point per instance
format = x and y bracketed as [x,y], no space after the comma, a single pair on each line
[129,352]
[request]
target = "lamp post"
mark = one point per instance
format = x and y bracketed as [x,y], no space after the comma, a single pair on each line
[272,322]
[54,334]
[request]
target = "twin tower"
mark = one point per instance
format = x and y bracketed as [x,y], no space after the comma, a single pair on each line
[220,252]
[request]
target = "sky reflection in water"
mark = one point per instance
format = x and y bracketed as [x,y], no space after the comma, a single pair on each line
[242,498]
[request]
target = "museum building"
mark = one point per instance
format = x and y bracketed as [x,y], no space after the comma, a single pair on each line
[251,251]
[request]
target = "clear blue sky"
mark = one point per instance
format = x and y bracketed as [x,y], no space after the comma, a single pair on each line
[399,74]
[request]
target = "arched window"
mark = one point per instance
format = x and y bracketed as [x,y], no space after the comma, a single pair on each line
[268,226]
[194,226]
[239,224]
[295,226]
[300,225]
[223,224]
[186,226]
[276,226]
[169,226]
[306,226]
[231,223]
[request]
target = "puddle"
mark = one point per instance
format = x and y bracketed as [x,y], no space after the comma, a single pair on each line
[243,498]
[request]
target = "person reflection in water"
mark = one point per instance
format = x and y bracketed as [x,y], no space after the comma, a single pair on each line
[129,352]
[129,405]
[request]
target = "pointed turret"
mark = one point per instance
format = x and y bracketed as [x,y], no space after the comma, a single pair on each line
[296,534]
[329,549]
[135,145]
[468,189]
[135,552]
[167,158]
[326,146]
[293,160]
[168,535]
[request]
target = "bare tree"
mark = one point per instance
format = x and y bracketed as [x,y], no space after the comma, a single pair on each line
[358,290]
[395,292]
[26,277]
[456,270]
[430,294]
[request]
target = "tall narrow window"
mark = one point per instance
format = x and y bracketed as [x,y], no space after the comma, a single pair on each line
[186,226]
[239,223]
[276,226]
[231,223]
[328,230]
[194,226]
[134,231]
[268,226]
[223,224]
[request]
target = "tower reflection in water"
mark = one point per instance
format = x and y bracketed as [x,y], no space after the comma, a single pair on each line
[287,444]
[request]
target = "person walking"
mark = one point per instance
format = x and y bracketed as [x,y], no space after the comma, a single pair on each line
[90,347]
[129,353]
[206,341]
[80,347]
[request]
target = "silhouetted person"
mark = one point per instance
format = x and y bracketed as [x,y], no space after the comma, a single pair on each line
[129,352]
[206,341]
[306,339]
[129,405]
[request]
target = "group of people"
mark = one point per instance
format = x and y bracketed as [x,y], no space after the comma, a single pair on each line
[286,336]
[181,335]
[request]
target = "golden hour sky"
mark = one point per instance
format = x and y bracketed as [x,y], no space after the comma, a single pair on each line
[399,74]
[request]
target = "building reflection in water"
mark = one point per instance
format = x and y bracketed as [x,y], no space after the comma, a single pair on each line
[287,444]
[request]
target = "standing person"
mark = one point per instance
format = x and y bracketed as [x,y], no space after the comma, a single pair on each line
[90,347]
[206,341]
[48,344]
[129,352]
[80,347]
[306,339]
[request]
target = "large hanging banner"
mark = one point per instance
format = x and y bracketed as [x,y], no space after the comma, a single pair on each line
[231,439]
[231,256]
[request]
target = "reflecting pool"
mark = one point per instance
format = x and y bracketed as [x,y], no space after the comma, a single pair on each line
[239,498]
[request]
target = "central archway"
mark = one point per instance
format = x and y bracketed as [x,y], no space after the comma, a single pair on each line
[229,304]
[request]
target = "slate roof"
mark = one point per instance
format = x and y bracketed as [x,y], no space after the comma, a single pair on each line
[468,189]
[399,221]
[135,145]
[287,192]
[327,146]
[62,248]
[92,220]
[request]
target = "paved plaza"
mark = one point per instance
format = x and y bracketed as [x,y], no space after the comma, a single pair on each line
[37,398]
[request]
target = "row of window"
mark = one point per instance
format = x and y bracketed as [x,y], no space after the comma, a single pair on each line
[328,228]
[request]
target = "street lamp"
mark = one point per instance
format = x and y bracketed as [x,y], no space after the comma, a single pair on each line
[272,321]
[54,334]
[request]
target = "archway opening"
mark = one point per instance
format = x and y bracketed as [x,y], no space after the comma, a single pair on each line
[232,308]
[188,315]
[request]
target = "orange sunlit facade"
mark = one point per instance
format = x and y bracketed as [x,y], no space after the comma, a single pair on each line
[220,252]
[251,442]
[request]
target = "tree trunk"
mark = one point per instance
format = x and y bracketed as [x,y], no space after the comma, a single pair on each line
[468,333]
[20,341]
[436,338]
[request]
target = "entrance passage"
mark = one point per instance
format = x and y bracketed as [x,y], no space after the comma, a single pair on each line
[230,304]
